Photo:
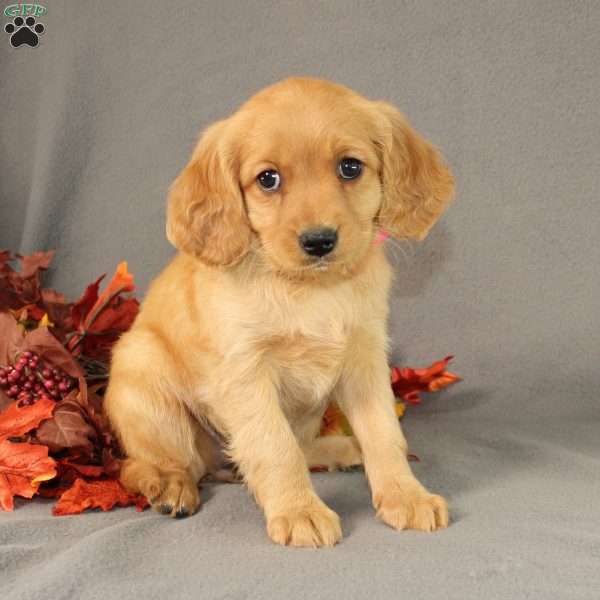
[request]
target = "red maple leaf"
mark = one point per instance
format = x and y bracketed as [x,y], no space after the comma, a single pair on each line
[22,468]
[407,382]
[17,420]
[84,305]
[104,494]
[18,288]
[100,318]
[32,264]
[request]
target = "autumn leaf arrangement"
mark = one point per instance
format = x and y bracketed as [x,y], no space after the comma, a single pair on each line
[54,440]
[54,354]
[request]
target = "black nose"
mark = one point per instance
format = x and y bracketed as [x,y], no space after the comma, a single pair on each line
[318,242]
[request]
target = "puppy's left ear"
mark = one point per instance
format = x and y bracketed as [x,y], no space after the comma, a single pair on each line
[417,184]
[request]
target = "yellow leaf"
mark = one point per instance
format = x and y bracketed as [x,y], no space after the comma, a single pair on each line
[400,409]
[44,477]
[45,321]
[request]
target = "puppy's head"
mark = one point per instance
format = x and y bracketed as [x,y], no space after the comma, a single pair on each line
[303,176]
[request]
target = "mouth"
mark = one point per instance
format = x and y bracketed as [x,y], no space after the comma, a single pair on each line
[313,268]
[322,264]
[305,267]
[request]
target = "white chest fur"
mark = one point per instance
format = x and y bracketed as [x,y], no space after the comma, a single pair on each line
[301,333]
[303,337]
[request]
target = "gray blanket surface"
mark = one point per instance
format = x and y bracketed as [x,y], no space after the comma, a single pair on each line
[97,120]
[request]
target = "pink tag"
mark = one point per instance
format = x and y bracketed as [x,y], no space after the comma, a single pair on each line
[381,236]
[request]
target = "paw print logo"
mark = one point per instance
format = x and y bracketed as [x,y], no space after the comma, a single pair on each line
[24,31]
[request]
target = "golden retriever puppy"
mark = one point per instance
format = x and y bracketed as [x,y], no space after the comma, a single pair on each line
[275,306]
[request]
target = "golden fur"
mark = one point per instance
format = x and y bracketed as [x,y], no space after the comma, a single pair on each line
[246,332]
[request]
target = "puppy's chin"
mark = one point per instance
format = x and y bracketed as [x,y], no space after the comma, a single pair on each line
[322,271]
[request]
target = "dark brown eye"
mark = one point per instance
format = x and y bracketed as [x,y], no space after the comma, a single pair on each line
[269,180]
[350,168]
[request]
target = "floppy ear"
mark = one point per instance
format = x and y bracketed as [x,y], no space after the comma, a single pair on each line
[417,185]
[205,213]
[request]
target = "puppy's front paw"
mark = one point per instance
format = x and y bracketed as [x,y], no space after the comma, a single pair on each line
[313,526]
[411,507]
[179,497]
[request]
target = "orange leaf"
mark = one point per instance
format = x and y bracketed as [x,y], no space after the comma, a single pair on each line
[16,420]
[87,470]
[67,473]
[122,281]
[407,383]
[22,468]
[444,380]
[104,494]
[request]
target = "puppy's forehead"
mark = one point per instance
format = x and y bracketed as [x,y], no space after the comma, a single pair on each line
[301,121]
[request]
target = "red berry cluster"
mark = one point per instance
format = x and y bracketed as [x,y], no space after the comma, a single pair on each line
[30,379]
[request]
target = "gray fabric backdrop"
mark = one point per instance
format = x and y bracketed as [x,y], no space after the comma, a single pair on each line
[98,119]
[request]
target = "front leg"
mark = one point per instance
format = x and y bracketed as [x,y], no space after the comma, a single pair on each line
[268,455]
[365,395]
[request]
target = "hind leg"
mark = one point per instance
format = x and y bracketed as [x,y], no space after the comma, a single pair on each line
[333,452]
[329,451]
[162,440]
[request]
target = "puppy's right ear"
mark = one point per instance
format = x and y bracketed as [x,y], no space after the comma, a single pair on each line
[206,216]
